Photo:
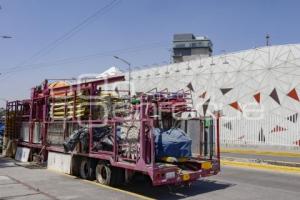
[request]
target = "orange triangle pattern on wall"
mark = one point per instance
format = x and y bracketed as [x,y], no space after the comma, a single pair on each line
[257,97]
[236,106]
[293,94]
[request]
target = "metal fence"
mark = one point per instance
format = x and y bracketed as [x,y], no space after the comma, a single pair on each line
[271,130]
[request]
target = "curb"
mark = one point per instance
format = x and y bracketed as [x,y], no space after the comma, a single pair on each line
[263,153]
[262,161]
[262,165]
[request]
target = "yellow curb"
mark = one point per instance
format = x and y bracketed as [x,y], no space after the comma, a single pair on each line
[261,166]
[264,153]
[104,186]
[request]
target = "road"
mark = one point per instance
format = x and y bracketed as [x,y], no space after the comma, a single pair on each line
[21,183]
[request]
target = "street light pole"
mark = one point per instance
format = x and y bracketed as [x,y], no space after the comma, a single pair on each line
[129,74]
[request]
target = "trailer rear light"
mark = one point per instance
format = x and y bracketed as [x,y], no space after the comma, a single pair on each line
[160,176]
[157,176]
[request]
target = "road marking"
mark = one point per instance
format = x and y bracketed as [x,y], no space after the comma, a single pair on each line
[262,153]
[119,190]
[105,186]
[285,169]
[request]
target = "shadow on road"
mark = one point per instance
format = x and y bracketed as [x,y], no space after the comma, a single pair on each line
[143,186]
[163,192]
[6,162]
[9,162]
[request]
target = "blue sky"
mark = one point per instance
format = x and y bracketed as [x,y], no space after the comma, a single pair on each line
[138,30]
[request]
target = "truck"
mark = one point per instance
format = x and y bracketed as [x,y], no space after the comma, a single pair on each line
[108,135]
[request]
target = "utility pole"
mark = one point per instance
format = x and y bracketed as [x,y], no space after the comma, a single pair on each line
[129,72]
[267,40]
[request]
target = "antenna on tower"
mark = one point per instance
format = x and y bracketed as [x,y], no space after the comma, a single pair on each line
[267,40]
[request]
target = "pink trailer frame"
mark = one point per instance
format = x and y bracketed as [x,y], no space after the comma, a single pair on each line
[160,173]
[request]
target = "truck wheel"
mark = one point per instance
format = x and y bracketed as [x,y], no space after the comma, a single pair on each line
[103,174]
[86,170]
[109,175]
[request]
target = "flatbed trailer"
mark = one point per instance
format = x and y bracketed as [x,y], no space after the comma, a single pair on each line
[36,124]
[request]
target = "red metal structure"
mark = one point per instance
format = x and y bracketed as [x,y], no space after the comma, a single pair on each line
[33,124]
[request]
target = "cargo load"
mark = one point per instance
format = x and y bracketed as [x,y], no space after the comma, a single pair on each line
[172,143]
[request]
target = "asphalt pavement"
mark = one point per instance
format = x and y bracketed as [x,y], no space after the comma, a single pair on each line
[232,183]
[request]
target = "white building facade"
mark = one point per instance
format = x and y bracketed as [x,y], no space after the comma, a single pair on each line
[256,90]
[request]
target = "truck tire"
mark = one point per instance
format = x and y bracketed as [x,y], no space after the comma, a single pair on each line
[86,170]
[109,175]
[103,174]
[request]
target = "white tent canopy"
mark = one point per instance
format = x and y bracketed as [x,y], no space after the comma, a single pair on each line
[113,71]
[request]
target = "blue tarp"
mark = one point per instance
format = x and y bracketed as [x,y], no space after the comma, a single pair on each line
[172,143]
[1,128]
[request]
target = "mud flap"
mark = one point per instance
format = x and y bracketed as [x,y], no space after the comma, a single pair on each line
[59,162]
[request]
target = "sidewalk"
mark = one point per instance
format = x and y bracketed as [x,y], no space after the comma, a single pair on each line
[22,183]
[280,161]
[261,157]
